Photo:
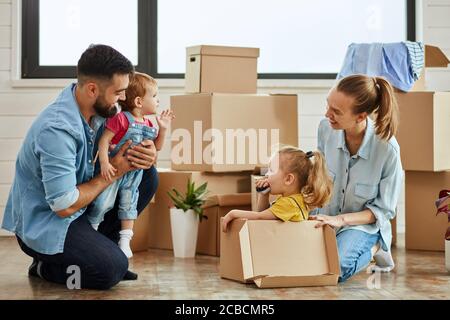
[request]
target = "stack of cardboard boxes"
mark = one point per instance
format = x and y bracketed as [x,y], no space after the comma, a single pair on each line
[222,130]
[423,136]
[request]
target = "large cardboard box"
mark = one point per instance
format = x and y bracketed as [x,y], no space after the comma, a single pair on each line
[272,253]
[434,58]
[221,69]
[230,132]
[423,229]
[216,207]
[160,236]
[424,130]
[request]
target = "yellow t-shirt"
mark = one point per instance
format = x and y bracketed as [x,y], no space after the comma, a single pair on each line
[291,208]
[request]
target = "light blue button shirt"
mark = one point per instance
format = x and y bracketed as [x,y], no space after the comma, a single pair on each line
[55,157]
[370,179]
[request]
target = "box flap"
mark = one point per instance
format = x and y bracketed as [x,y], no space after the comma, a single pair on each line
[283,94]
[332,250]
[228,200]
[435,58]
[223,51]
[306,281]
[246,254]
[235,199]
[296,249]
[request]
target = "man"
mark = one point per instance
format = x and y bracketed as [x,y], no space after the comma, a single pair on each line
[54,179]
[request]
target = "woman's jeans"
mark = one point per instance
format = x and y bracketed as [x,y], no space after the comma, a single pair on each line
[354,247]
[101,262]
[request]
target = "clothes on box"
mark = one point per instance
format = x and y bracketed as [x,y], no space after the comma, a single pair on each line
[400,63]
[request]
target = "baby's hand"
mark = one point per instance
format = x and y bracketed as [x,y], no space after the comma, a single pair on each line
[165,118]
[108,171]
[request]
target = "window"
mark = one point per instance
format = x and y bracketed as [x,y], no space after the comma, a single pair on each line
[298,39]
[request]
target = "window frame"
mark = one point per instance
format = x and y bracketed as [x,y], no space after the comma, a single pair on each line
[147,46]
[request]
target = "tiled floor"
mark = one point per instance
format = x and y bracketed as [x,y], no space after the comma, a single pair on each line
[419,275]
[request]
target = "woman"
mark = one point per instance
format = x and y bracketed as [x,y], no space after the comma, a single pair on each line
[363,159]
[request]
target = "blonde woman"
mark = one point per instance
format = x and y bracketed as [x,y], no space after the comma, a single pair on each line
[363,159]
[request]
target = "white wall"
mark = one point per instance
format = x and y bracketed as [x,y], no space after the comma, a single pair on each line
[21,100]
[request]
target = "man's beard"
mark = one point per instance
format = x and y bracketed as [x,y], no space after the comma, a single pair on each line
[103,110]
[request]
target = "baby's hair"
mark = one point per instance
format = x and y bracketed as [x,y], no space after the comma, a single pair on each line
[314,181]
[137,88]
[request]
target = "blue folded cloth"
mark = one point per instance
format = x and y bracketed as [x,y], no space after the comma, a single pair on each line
[400,63]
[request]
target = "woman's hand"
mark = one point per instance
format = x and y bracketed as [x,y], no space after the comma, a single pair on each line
[333,221]
[142,156]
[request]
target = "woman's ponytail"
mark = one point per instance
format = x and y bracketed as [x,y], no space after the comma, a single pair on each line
[386,122]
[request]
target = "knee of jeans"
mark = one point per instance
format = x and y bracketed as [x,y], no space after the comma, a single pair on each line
[112,272]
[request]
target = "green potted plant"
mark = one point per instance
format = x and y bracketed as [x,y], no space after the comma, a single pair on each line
[184,218]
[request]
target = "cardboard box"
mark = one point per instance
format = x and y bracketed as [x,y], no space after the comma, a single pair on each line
[423,229]
[244,127]
[160,236]
[272,253]
[424,130]
[221,69]
[141,229]
[216,207]
[434,58]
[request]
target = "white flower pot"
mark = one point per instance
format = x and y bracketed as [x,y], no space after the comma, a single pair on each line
[184,226]
[447,255]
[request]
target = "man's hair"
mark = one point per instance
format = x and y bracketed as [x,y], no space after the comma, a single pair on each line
[102,62]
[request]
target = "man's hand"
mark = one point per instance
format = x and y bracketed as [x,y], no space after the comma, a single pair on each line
[142,156]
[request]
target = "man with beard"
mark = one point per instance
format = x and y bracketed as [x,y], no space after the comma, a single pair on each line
[54,179]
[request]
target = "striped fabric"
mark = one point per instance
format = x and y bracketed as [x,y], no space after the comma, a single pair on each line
[416,55]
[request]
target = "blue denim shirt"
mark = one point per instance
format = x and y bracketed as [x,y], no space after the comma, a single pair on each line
[55,157]
[370,179]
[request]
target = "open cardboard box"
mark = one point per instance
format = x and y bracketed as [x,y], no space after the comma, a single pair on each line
[434,58]
[273,253]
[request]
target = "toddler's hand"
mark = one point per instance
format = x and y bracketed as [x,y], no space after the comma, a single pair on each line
[262,183]
[108,171]
[226,220]
[165,118]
